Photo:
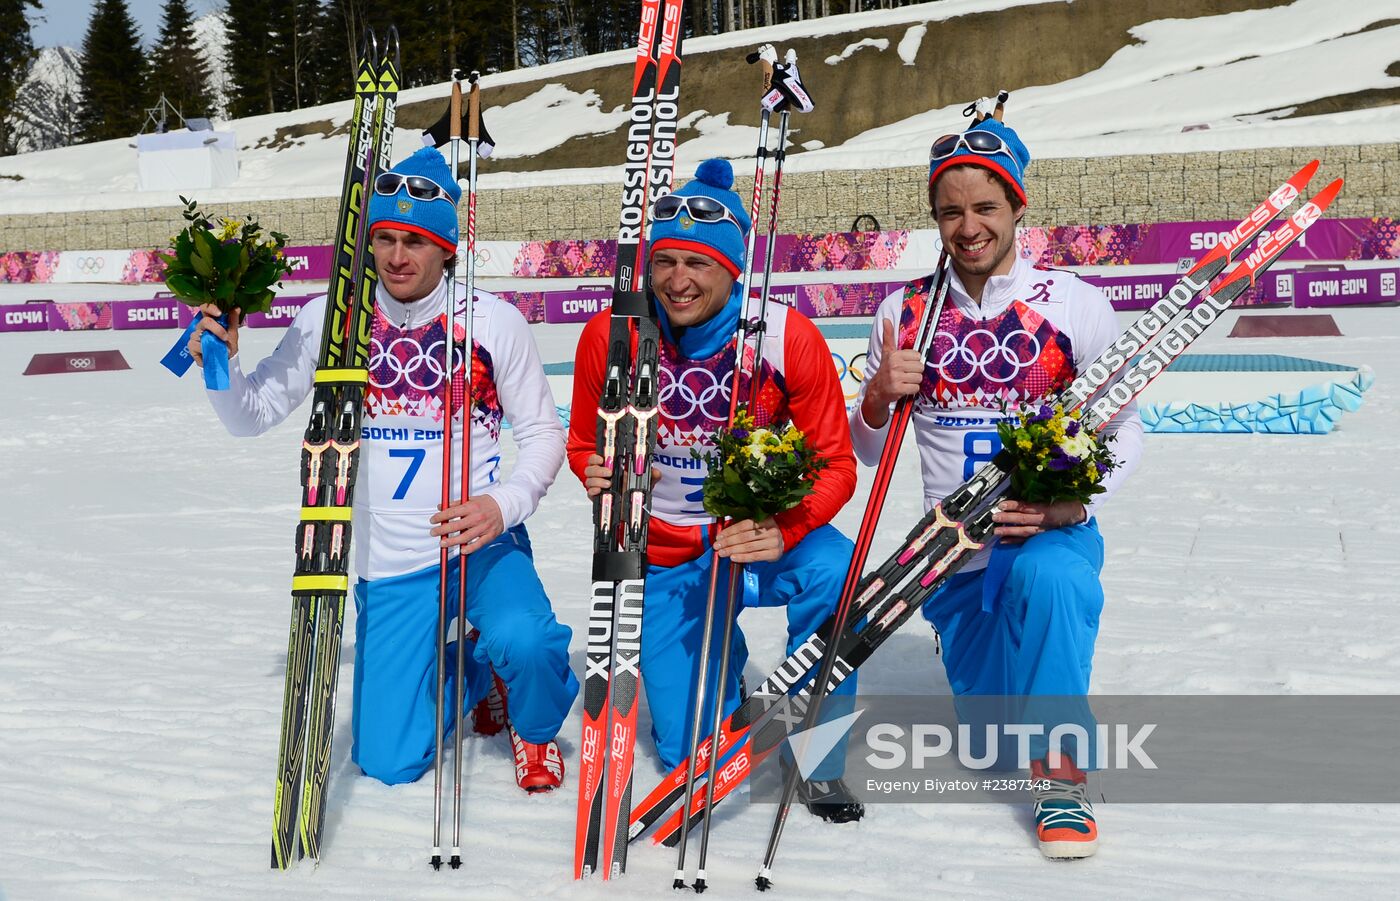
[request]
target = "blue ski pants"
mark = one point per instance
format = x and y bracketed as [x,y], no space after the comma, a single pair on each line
[396,622]
[807,579]
[1024,628]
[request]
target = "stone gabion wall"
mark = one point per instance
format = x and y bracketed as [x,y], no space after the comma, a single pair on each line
[1094,190]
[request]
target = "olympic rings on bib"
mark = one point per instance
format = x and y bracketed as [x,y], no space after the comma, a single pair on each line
[982,352]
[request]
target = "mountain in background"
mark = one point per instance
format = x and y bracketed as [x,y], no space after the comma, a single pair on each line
[46,107]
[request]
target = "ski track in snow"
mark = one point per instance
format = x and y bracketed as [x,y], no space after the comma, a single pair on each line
[143,629]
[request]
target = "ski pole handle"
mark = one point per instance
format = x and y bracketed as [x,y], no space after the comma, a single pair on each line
[454,116]
[474,108]
[767,55]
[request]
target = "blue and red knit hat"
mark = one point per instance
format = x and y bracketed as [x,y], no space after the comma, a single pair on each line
[723,240]
[1009,163]
[434,219]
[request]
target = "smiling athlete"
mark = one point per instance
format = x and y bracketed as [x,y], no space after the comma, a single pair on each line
[796,558]
[399,529]
[1022,618]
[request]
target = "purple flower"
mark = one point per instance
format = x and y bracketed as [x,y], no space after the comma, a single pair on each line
[1072,428]
[741,434]
[1063,463]
[1100,467]
[1044,414]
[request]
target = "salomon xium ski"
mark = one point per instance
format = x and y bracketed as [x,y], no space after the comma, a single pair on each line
[330,452]
[626,435]
[875,601]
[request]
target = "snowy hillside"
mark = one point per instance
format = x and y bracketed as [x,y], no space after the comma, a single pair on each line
[1258,77]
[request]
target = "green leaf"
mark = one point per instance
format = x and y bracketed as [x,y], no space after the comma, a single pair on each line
[186,287]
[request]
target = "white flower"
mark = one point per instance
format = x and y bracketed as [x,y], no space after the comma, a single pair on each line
[1080,445]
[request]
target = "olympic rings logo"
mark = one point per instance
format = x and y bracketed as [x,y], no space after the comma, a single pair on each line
[419,368]
[980,351]
[90,265]
[854,371]
[677,391]
[81,362]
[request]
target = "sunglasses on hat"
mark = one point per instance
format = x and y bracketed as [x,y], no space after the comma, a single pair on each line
[976,141]
[419,187]
[699,208]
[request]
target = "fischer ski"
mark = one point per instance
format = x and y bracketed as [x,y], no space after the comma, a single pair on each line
[627,412]
[774,695]
[329,460]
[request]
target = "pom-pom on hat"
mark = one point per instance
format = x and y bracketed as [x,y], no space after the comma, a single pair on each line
[434,219]
[722,240]
[1009,163]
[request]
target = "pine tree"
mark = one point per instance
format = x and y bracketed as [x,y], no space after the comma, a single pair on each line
[178,69]
[16,55]
[113,82]
[253,56]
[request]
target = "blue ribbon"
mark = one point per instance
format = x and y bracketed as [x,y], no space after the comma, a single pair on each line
[214,350]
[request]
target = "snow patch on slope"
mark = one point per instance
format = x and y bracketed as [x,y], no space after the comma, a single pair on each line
[880,44]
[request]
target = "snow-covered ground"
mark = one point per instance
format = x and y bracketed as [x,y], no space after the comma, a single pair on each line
[143,620]
[1237,73]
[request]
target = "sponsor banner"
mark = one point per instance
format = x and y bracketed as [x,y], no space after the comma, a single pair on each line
[1138,292]
[310,263]
[1071,245]
[24,317]
[72,317]
[134,314]
[1342,288]
[578,305]
[281,314]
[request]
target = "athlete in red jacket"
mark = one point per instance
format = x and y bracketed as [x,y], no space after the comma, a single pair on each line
[795,558]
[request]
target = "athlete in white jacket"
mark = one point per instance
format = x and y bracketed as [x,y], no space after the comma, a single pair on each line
[398,528]
[1020,620]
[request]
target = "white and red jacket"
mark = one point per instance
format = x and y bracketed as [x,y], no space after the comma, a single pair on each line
[399,485]
[1026,340]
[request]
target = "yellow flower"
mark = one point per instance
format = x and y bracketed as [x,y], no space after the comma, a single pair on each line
[1024,444]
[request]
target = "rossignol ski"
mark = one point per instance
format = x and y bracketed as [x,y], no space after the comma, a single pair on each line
[773,698]
[329,458]
[627,426]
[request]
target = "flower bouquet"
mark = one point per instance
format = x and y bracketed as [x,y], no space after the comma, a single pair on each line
[756,473]
[1053,456]
[232,266]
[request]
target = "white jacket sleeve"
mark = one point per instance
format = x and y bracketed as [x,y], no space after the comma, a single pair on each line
[1095,328]
[258,401]
[528,405]
[869,442]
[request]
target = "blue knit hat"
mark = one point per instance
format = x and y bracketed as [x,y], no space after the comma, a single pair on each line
[1010,166]
[719,240]
[434,219]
